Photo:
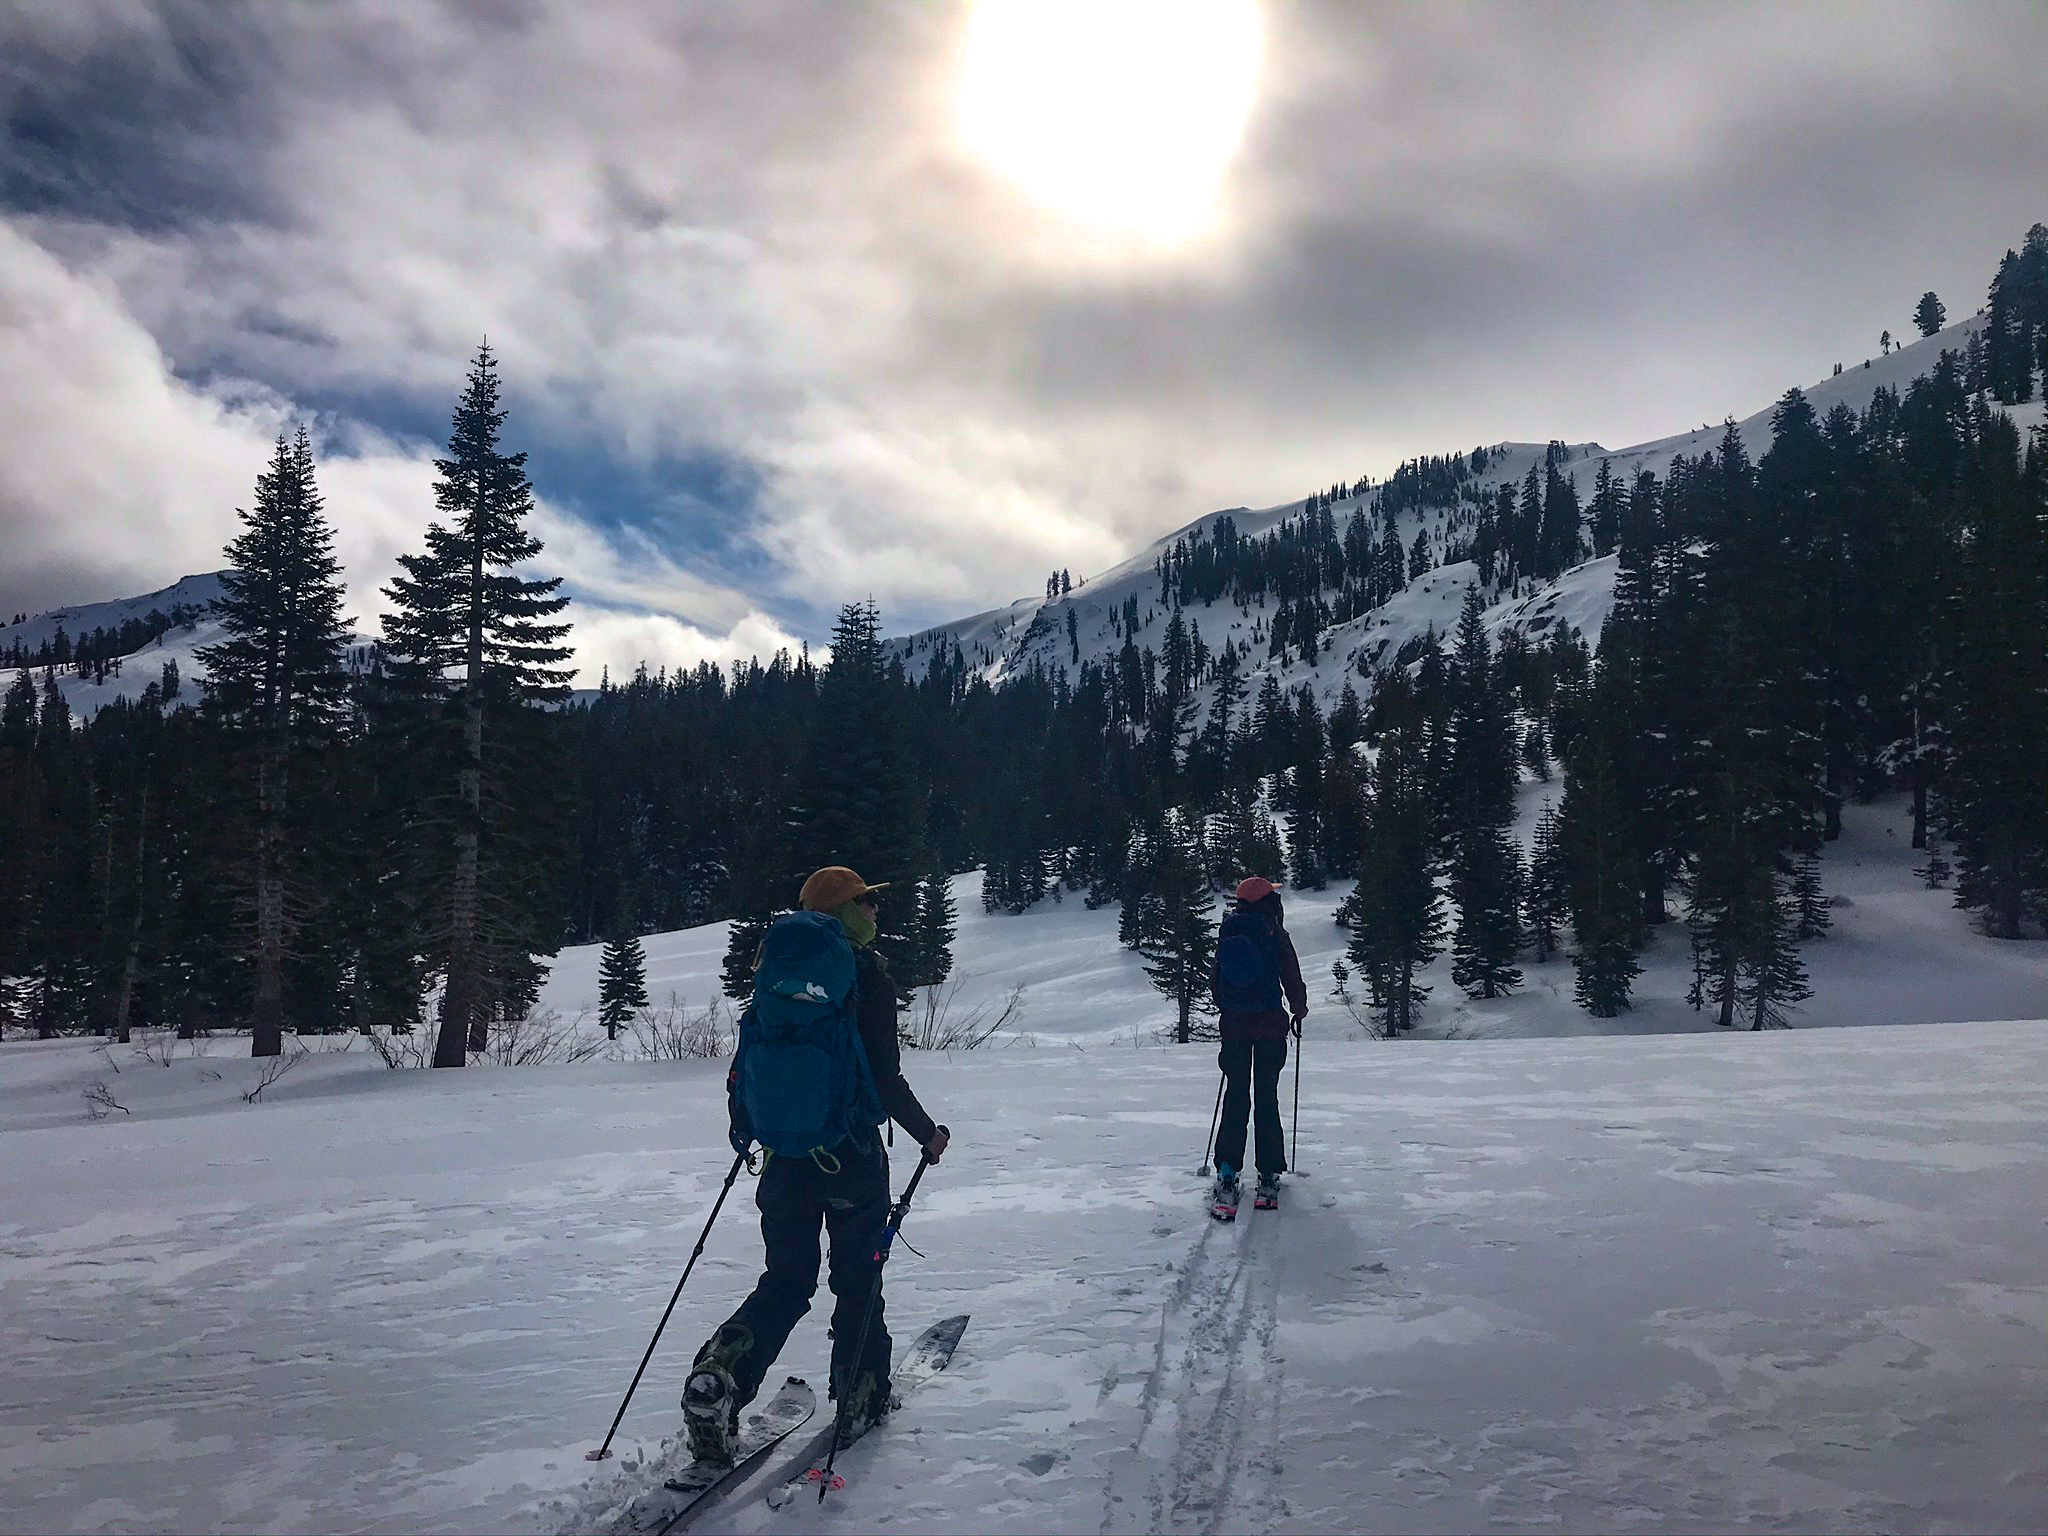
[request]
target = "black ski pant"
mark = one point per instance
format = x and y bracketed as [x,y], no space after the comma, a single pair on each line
[1251,1072]
[797,1196]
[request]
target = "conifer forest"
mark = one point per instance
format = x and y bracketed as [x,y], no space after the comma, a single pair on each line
[327,832]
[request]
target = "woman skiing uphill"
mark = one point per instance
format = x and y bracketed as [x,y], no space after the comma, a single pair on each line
[816,1071]
[1255,964]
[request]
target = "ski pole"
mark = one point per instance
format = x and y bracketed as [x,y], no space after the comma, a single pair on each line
[1294,1137]
[605,1450]
[867,1318]
[1209,1146]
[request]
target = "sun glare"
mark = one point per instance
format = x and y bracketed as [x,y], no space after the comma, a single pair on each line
[1120,114]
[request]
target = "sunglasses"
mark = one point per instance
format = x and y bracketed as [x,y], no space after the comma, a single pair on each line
[867,901]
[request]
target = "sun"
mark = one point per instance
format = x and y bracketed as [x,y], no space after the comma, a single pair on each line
[1120,114]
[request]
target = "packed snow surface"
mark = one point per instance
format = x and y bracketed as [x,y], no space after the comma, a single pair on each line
[1793,1281]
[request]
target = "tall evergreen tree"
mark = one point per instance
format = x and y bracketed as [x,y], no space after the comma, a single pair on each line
[476,646]
[1994,793]
[1485,864]
[1393,913]
[1929,315]
[621,982]
[1600,866]
[277,683]
[1546,901]
[1178,938]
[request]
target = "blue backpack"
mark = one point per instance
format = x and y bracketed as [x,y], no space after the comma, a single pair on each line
[801,1074]
[1247,978]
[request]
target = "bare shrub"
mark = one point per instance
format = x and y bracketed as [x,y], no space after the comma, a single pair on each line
[275,1067]
[936,1023]
[541,1039]
[673,1032]
[100,1101]
[397,1050]
[1364,1016]
[157,1045]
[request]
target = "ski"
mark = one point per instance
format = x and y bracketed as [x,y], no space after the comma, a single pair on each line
[930,1354]
[669,1507]
[1267,1199]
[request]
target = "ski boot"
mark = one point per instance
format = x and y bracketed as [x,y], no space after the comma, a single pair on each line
[710,1413]
[1223,1199]
[1267,1198]
[866,1406]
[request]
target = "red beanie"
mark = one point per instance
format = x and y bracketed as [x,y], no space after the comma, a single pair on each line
[1254,890]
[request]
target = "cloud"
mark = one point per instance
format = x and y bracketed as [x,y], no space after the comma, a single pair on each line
[618,641]
[115,476]
[750,235]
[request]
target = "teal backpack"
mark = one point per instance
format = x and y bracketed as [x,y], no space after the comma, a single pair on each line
[801,1074]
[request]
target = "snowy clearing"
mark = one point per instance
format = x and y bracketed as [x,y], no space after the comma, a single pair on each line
[1791,1281]
[1899,953]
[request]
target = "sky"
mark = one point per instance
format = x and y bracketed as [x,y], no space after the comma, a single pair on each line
[798,304]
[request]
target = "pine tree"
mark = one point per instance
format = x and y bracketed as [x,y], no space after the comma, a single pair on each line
[460,609]
[276,682]
[925,955]
[1773,978]
[621,983]
[1929,315]
[1993,796]
[1600,867]
[1485,864]
[1546,900]
[1394,915]
[1308,867]
[1178,939]
[1809,899]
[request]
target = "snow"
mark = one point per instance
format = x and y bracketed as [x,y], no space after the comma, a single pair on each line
[1790,1281]
[1581,597]
[190,592]
[1659,1276]
[1898,953]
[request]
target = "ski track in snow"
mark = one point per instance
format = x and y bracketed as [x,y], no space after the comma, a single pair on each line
[1782,1282]
[1214,1360]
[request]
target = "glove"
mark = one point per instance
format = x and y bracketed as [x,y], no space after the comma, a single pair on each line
[1297,1024]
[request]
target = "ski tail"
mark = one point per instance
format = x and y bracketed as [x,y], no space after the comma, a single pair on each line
[930,1353]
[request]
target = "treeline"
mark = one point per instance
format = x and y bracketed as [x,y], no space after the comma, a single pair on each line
[100,649]
[334,841]
[313,847]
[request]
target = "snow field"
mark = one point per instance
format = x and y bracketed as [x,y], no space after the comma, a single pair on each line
[1788,1282]
[1899,953]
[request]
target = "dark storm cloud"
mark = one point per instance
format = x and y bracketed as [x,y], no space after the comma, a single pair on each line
[762,315]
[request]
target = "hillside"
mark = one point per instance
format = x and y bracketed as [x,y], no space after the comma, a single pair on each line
[1033,631]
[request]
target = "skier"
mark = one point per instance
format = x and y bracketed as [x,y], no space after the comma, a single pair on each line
[824,1157]
[1255,963]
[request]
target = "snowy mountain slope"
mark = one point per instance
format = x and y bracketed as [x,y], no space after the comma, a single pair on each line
[1001,641]
[80,620]
[1899,953]
[1033,630]
[1789,1282]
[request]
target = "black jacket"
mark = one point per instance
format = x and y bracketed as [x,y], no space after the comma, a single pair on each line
[877,1017]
